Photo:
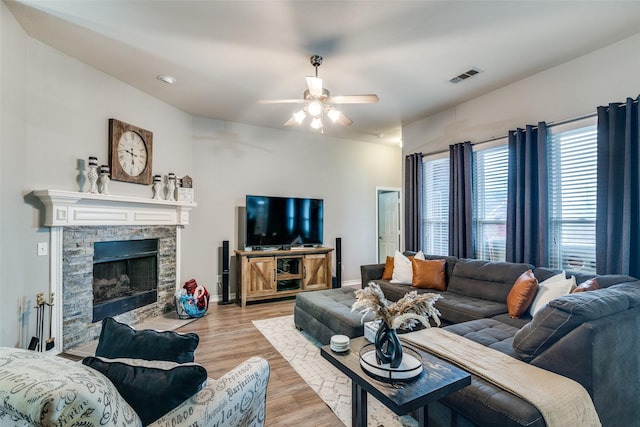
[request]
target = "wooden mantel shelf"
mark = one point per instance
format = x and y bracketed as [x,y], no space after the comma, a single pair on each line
[70,208]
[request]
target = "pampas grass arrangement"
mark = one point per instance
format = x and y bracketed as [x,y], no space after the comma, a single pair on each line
[402,314]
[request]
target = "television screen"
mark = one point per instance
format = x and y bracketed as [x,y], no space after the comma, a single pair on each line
[277,221]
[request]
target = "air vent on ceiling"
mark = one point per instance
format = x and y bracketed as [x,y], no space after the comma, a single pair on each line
[472,72]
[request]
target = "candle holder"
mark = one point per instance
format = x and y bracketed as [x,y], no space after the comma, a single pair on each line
[92,175]
[157,187]
[104,179]
[171,187]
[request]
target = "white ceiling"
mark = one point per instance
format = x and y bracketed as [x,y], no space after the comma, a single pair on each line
[226,55]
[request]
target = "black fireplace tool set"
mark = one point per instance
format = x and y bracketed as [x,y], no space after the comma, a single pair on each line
[41,307]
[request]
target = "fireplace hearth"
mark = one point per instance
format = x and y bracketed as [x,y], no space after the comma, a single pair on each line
[125,276]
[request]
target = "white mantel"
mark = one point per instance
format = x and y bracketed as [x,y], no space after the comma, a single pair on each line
[70,208]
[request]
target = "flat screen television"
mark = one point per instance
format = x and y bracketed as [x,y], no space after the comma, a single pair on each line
[283,221]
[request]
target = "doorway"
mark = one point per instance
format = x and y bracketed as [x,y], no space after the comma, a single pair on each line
[388,222]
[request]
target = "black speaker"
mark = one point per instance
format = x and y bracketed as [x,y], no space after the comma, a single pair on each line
[338,283]
[225,273]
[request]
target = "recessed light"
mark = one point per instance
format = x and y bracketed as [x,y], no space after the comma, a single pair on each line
[167,79]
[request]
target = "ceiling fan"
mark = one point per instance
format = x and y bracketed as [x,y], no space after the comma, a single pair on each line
[318,102]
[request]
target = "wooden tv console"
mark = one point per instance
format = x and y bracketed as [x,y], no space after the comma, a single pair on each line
[279,273]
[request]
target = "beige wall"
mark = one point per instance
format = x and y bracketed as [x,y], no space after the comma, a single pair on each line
[567,91]
[55,111]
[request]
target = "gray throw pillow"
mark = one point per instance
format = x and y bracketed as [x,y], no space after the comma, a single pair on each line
[561,315]
[120,340]
[152,388]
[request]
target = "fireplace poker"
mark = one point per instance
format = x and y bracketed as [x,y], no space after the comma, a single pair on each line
[51,341]
[36,342]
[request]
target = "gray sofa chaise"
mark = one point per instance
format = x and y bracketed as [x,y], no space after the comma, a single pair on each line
[590,337]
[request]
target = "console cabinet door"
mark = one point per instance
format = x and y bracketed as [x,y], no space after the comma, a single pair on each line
[316,273]
[259,274]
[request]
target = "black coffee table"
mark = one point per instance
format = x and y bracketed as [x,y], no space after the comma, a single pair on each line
[438,379]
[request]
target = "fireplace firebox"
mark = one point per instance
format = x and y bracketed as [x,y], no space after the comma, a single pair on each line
[125,276]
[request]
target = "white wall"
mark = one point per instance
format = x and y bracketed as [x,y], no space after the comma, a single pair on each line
[232,160]
[55,112]
[567,91]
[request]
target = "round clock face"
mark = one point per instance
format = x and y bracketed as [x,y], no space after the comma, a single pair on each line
[132,153]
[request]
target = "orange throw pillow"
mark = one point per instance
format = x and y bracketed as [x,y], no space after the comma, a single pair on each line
[522,294]
[588,285]
[387,274]
[429,274]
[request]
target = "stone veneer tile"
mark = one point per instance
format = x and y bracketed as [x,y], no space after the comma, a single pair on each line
[77,277]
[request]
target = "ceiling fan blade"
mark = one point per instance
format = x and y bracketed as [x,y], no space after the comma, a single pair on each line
[281,101]
[292,121]
[315,86]
[354,99]
[344,120]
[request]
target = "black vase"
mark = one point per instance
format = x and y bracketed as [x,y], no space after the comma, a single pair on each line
[388,347]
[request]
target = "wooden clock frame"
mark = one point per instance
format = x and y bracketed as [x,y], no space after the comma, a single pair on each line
[116,129]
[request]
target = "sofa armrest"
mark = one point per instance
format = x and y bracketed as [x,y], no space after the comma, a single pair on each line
[371,272]
[238,398]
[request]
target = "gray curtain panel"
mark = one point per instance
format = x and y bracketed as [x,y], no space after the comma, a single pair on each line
[461,200]
[618,200]
[413,193]
[527,196]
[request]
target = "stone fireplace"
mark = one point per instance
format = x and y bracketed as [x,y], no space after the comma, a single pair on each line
[87,235]
[79,324]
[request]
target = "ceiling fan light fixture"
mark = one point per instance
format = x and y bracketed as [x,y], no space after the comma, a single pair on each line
[334,114]
[314,108]
[300,116]
[316,123]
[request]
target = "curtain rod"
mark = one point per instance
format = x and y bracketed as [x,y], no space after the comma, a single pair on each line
[549,124]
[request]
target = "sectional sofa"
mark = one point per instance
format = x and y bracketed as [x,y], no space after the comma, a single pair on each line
[590,337]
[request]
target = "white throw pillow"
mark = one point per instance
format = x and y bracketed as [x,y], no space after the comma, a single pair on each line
[552,288]
[402,268]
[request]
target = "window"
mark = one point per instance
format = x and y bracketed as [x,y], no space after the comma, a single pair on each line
[490,167]
[572,151]
[572,196]
[436,207]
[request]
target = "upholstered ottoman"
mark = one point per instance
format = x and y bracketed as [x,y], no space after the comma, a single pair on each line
[322,314]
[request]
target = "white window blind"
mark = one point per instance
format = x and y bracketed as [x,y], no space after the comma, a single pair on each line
[572,195]
[436,207]
[490,202]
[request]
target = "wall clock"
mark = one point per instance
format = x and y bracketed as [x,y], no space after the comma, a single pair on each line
[130,153]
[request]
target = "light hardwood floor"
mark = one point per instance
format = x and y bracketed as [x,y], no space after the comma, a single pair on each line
[227,337]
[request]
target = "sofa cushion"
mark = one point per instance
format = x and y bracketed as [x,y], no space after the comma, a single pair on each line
[402,267]
[456,308]
[152,388]
[554,287]
[521,294]
[325,313]
[488,332]
[486,280]
[119,340]
[516,323]
[605,280]
[46,390]
[562,315]
[387,274]
[631,290]
[429,274]
[587,285]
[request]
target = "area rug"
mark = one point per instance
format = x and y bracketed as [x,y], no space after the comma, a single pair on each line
[334,388]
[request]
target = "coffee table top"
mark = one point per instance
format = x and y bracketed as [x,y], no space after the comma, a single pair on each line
[437,380]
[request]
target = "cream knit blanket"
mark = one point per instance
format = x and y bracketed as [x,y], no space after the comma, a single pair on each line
[560,400]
